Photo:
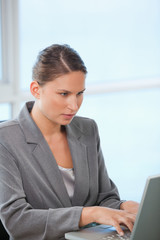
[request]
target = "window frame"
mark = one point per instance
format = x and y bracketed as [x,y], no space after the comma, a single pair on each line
[10,86]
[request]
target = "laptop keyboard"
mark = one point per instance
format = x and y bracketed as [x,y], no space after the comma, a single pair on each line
[117,236]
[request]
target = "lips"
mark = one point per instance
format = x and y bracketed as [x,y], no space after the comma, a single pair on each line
[68,116]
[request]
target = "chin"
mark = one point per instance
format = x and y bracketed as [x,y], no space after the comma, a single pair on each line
[66,122]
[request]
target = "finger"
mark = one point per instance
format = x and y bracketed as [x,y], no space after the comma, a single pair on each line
[132,217]
[128,223]
[118,229]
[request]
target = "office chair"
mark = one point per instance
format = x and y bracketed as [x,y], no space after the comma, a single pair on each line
[3,234]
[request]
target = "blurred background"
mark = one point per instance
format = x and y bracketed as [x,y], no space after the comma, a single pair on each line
[119,42]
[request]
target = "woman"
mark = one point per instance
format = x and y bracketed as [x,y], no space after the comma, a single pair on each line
[52,174]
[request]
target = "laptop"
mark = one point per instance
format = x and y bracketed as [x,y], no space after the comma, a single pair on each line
[146,226]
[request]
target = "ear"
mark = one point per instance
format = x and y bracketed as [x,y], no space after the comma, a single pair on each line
[35,89]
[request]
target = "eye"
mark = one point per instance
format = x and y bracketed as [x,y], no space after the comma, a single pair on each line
[64,94]
[80,93]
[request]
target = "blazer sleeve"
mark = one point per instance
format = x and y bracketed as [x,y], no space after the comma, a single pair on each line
[18,216]
[108,193]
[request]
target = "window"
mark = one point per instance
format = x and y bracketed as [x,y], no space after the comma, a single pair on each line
[118,40]
[5,110]
[9,84]
[0,42]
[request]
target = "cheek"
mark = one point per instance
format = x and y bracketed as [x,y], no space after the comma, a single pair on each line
[52,103]
[80,100]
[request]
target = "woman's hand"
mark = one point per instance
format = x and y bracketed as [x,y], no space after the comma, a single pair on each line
[108,216]
[130,206]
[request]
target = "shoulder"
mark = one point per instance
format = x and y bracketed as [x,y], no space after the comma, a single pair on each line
[8,125]
[84,129]
[84,124]
[9,130]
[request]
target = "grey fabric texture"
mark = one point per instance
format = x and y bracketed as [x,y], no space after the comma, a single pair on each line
[34,202]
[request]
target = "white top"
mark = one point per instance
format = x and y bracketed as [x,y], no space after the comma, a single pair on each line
[69,179]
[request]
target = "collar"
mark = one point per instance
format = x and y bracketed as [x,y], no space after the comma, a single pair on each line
[33,134]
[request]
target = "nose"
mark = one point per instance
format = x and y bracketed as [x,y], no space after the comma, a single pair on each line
[73,103]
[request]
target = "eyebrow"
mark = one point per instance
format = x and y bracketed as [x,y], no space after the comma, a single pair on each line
[64,90]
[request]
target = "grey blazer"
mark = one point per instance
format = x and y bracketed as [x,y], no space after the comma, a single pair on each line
[34,203]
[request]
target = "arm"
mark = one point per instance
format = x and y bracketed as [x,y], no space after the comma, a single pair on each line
[113,201]
[108,216]
[108,192]
[21,220]
[130,206]
[108,198]
[125,216]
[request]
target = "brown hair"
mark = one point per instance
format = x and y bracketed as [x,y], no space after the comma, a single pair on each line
[55,61]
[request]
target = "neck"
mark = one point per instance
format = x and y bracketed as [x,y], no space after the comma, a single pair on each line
[47,127]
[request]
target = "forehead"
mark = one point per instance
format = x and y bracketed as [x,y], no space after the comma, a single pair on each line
[71,82]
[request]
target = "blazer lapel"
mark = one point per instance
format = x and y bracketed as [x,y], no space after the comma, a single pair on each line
[79,158]
[51,172]
[43,155]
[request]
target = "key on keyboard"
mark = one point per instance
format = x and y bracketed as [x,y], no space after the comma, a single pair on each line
[117,237]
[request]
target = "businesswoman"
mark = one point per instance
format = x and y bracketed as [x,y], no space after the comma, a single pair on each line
[52,173]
